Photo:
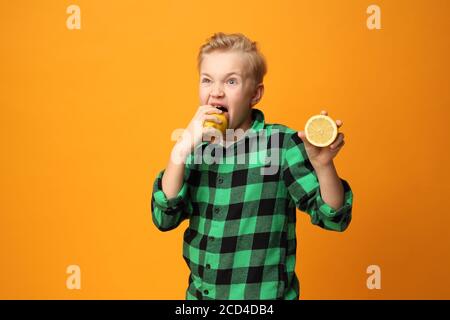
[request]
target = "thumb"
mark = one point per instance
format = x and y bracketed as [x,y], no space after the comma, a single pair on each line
[302,136]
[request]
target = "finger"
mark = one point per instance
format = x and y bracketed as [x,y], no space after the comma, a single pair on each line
[324,112]
[339,123]
[302,136]
[211,109]
[338,146]
[212,118]
[338,140]
[210,131]
[341,145]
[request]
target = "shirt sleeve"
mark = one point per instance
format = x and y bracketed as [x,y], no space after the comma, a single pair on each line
[303,186]
[167,214]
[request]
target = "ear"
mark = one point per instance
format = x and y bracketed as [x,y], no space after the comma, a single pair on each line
[258,94]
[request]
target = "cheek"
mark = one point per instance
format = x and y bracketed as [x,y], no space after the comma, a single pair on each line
[236,95]
[203,94]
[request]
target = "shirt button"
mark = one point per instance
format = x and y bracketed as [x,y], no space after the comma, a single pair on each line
[211,238]
[220,180]
[205,291]
[208,266]
[216,210]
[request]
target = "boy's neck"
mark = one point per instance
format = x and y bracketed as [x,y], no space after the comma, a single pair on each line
[244,127]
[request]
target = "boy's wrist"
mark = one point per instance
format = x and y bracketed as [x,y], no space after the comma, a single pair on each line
[181,150]
[326,167]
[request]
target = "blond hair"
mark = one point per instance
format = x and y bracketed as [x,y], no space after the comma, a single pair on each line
[236,42]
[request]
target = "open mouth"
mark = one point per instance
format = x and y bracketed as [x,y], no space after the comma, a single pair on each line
[223,108]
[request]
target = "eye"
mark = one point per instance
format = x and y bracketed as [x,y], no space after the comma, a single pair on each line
[232,81]
[206,80]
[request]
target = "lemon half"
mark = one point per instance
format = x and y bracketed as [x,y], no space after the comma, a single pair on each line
[321,130]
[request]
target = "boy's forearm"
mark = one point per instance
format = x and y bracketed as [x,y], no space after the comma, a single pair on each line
[331,188]
[173,176]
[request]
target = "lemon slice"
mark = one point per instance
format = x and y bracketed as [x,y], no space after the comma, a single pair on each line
[321,130]
[220,126]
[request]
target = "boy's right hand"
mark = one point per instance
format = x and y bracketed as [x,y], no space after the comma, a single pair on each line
[195,131]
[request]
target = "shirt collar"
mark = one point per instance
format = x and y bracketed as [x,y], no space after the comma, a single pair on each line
[258,120]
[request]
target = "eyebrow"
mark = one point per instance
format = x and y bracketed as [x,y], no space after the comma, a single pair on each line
[227,75]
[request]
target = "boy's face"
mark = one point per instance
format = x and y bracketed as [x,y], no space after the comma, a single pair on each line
[225,80]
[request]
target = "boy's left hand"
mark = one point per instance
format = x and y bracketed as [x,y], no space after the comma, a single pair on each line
[323,156]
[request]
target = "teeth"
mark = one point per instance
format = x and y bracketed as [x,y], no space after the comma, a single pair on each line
[223,108]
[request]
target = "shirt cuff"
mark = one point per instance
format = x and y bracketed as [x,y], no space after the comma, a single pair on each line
[172,205]
[328,211]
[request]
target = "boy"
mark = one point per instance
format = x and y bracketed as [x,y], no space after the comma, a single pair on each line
[241,241]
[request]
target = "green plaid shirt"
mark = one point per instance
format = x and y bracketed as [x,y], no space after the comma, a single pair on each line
[241,239]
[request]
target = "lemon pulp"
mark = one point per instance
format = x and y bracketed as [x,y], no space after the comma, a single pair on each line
[321,130]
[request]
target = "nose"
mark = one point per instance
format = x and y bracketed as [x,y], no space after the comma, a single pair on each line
[217,91]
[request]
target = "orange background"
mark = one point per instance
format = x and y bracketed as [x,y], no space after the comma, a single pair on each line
[86,117]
